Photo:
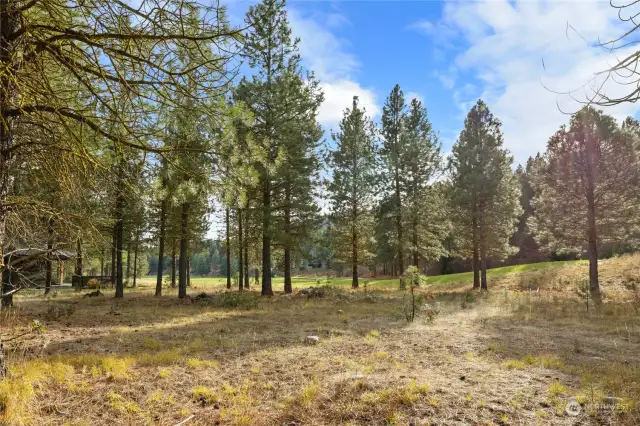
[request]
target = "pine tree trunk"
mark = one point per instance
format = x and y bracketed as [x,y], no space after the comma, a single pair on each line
[173,262]
[475,261]
[182,271]
[119,246]
[135,260]
[266,238]
[49,264]
[288,288]
[228,224]
[483,253]
[163,213]
[128,273]
[78,270]
[246,256]
[257,276]
[594,285]
[114,242]
[354,252]
[240,257]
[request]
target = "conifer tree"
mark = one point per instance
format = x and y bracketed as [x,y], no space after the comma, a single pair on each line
[393,155]
[275,96]
[484,192]
[351,189]
[586,190]
[426,217]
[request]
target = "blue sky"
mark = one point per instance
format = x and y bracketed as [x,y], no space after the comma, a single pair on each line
[451,53]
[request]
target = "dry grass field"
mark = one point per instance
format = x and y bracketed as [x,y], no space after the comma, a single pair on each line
[516,355]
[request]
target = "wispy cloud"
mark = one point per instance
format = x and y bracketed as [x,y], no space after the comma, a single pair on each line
[333,63]
[501,48]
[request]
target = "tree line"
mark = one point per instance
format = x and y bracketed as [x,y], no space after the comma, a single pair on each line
[124,129]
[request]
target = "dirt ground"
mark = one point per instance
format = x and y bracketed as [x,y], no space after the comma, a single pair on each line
[512,356]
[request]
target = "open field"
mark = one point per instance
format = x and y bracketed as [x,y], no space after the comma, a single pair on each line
[514,355]
[321,279]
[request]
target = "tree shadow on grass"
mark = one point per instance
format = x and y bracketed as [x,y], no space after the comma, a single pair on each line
[144,325]
[557,338]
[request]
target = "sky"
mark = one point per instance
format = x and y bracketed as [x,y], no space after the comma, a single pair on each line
[525,59]
[521,57]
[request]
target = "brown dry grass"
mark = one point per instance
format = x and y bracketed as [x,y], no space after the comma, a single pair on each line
[512,356]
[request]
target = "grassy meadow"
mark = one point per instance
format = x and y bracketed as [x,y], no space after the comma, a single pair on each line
[519,354]
[464,278]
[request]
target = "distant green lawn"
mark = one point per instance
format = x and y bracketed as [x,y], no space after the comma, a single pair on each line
[306,281]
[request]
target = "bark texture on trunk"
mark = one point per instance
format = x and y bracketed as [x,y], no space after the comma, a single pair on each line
[182,270]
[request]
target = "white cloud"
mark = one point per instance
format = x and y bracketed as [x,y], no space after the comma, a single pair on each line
[335,67]
[506,46]
[409,96]
[338,95]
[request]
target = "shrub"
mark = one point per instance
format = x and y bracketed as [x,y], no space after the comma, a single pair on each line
[204,395]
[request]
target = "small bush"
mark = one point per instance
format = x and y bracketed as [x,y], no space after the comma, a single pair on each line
[204,395]
[556,388]
[514,364]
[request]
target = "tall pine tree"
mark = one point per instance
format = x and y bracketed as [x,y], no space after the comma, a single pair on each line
[352,187]
[484,191]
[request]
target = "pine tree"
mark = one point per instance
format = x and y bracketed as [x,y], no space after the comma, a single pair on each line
[274,96]
[586,190]
[352,188]
[299,180]
[394,157]
[484,191]
[425,214]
